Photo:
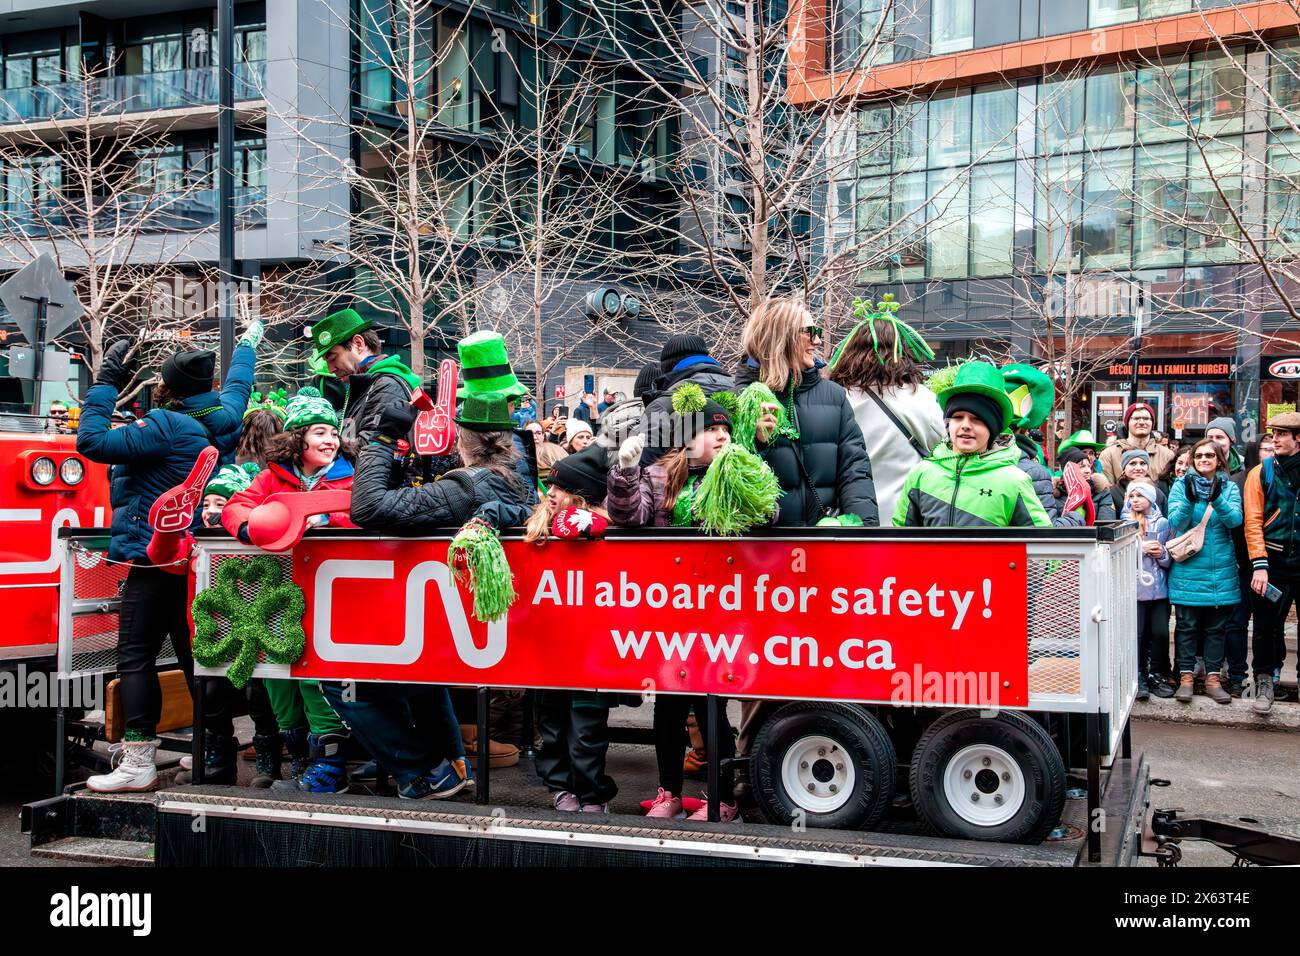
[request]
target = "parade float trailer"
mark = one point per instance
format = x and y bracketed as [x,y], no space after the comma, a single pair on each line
[940,697]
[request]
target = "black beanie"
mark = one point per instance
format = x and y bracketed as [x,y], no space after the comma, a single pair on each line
[1072,455]
[688,426]
[645,381]
[678,348]
[189,373]
[981,406]
[582,473]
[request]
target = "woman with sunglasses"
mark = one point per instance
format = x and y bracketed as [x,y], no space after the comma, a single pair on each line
[825,471]
[1204,588]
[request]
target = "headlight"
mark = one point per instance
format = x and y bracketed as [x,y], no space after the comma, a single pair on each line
[72,471]
[43,471]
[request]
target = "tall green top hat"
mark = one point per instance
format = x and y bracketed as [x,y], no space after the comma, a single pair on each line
[982,379]
[336,329]
[1031,392]
[486,368]
[1081,439]
[485,412]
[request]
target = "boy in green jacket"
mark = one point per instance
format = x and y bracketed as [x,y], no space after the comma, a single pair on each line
[973,479]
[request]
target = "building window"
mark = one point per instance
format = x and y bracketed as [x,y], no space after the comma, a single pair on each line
[952,25]
[1218,93]
[1161,188]
[873,229]
[992,226]
[1103,13]
[1060,116]
[1284,84]
[1108,211]
[1213,194]
[1162,102]
[993,131]
[874,139]
[1111,113]
[861,34]
[950,130]
[1163,8]
[1058,211]
[1284,195]
[946,231]
[909,213]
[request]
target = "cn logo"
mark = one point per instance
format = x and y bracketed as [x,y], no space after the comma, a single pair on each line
[412,645]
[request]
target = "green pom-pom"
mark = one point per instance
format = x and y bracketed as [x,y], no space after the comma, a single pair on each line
[737,493]
[728,401]
[744,424]
[251,631]
[942,378]
[478,562]
[308,391]
[688,399]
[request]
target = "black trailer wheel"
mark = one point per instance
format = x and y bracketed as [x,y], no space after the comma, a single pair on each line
[988,778]
[828,765]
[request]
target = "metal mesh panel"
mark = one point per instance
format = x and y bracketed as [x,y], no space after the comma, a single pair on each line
[248,589]
[1054,663]
[1122,627]
[89,645]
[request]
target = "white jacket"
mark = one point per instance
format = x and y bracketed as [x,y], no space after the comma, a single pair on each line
[892,455]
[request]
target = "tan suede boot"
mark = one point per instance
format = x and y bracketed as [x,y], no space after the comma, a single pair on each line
[1186,688]
[1215,691]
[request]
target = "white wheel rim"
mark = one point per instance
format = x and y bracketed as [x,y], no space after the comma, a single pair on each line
[984,785]
[818,774]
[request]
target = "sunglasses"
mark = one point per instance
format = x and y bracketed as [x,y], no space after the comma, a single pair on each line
[1206,457]
[814,331]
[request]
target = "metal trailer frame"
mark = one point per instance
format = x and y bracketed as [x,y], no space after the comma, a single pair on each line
[1085,611]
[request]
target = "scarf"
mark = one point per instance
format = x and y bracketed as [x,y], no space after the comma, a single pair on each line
[1201,485]
[308,482]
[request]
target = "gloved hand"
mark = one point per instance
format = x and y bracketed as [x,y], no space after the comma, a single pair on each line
[578,523]
[629,453]
[253,333]
[115,368]
[395,420]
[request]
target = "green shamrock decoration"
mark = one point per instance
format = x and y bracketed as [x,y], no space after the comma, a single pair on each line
[250,621]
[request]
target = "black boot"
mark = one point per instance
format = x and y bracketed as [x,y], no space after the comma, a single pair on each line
[295,745]
[267,749]
[219,767]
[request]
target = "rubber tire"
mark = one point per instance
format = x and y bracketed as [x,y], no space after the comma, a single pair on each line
[1030,746]
[860,734]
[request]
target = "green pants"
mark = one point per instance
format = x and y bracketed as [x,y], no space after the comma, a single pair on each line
[298,702]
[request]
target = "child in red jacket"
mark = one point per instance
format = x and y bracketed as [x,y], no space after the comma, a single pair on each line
[308,455]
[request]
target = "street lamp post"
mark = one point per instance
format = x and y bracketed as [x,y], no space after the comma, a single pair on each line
[226,181]
[1139,319]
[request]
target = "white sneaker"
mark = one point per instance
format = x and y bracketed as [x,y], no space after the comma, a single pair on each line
[134,770]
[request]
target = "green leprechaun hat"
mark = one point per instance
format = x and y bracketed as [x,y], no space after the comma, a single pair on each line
[487,412]
[1083,438]
[336,328]
[231,479]
[485,367]
[307,408]
[1031,392]
[980,378]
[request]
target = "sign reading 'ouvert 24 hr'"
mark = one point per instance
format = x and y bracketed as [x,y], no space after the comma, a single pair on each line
[868,620]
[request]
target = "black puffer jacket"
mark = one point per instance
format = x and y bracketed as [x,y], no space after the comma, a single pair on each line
[457,496]
[707,374]
[366,396]
[832,449]
[1044,487]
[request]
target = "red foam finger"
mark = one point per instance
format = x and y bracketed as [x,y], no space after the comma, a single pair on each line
[174,508]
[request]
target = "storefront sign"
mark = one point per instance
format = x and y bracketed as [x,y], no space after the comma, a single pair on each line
[835,620]
[1180,367]
[1190,410]
[1285,369]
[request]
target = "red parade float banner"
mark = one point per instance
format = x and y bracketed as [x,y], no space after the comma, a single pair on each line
[871,621]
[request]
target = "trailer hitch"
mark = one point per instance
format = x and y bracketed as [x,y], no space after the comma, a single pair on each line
[1164,830]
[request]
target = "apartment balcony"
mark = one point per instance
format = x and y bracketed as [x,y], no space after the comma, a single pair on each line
[155,213]
[138,93]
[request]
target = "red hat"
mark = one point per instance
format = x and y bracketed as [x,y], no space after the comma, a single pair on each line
[1134,407]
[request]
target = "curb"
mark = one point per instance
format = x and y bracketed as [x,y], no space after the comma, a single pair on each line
[1203,712]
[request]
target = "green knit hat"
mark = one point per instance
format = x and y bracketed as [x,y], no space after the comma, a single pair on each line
[1031,392]
[485,367]
[486,413]
[336,328]
[1083,438]
[980,378]
[232,479]
[308,407]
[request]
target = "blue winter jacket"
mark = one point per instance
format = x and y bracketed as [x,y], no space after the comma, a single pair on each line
[1210,578]
[156,452]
